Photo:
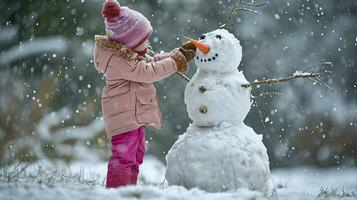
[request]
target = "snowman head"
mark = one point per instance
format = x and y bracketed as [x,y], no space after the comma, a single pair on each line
[218,51]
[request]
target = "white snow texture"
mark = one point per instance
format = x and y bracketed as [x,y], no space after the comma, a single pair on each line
[216,86]
[219,159]
[220,94]
[218,152]
[85,180]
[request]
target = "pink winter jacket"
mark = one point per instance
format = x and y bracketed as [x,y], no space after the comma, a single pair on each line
[129,98]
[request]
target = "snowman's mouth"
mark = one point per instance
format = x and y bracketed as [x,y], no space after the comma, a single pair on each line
[207,59]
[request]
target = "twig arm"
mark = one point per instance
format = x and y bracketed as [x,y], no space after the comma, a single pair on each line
[183,76]
[178,73]
[280,80]
[240,6]
[296,75]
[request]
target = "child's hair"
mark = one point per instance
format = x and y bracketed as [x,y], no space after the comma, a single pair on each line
[125,25]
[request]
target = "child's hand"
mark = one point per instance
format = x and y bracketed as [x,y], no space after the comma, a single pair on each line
[188,50]
[188,46]
[180,60]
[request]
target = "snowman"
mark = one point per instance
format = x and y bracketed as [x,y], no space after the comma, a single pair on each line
[218,152]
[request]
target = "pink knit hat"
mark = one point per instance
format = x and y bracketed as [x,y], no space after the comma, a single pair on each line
[124,25]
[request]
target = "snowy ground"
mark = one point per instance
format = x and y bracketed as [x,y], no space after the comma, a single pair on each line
[46,180]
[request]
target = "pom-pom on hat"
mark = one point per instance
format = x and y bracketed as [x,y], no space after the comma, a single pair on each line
[125,25]
[111,9]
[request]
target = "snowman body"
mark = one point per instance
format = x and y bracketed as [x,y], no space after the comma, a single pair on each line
[218,152]
[212,98]
[221,158]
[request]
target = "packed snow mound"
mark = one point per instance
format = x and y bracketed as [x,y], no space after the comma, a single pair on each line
[222,158]
[212,98]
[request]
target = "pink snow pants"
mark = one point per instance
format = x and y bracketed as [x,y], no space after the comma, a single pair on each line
[127,154]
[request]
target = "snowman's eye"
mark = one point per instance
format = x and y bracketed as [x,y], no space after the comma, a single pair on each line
[202,37]
[218,37]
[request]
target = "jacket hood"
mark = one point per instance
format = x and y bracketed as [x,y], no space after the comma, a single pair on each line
[105,48]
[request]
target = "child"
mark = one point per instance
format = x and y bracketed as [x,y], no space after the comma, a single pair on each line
[129,100]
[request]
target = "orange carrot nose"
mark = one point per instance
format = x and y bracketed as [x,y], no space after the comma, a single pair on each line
[204,48]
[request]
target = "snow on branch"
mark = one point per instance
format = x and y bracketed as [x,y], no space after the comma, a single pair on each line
[315,77]
[83,133]
[280,80]
[7,34]
[55,44]
[59,136]
[52,119]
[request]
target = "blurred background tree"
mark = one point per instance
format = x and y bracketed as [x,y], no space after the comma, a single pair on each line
[51,92]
